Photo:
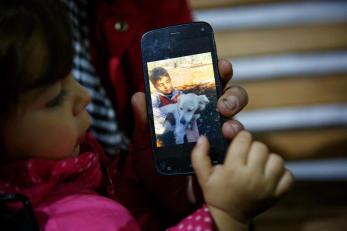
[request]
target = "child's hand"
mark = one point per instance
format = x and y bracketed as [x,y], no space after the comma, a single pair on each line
[249,181]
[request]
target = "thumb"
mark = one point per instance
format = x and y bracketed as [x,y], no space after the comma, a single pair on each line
[139,109]
[201,161]
[141,135]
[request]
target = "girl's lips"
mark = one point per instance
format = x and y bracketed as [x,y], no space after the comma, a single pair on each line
[82,137]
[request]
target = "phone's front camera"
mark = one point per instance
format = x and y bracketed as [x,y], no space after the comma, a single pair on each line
[202,29]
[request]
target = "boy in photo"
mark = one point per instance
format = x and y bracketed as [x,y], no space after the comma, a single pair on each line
[164,95]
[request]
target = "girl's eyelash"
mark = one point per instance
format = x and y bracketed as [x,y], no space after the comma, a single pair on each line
[57,100]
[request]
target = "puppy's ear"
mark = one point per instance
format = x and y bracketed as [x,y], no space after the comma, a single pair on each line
[203,99]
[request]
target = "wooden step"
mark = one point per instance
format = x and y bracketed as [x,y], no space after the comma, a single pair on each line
[305,144]
[295,91]
[239,43]
[306,203]
[205,4]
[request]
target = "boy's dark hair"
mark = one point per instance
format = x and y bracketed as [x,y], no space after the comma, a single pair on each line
[35,48]
[156,74]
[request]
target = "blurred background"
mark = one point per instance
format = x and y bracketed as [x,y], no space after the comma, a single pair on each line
[291,57]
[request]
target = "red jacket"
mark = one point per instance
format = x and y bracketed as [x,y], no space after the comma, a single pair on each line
[116,55]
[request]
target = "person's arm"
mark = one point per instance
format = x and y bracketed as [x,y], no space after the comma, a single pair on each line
[83,211]
[224,221]
[209,218]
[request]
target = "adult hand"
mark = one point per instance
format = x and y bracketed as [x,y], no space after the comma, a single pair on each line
[233,100]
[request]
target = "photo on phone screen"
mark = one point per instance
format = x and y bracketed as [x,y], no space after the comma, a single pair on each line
[184,99]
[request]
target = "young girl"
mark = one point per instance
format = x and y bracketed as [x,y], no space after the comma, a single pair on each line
[47,154]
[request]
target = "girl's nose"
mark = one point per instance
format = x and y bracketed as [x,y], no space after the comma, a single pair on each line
[82,99]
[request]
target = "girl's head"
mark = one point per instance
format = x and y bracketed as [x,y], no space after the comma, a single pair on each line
[42,109]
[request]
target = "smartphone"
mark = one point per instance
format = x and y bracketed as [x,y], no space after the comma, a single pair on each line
[182,86]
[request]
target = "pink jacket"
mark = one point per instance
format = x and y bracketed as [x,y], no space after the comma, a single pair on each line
[66,194]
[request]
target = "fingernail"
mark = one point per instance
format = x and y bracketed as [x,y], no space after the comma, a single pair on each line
[237,127]
[232,127]
[231,102]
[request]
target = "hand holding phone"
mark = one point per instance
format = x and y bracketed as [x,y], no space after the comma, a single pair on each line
[182,87]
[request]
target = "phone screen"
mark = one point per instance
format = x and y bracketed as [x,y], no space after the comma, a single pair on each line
[182,89]
[188,82]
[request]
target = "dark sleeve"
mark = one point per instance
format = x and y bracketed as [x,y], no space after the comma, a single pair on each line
[167,13]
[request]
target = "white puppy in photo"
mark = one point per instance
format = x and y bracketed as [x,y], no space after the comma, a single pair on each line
[185,113]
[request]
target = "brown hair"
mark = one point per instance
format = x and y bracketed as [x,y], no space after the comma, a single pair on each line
[35,47]
[157,73]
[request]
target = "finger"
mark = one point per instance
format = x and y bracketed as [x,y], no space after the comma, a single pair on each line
[225,70]
[274,168]
[232,101]
[258,156]
[238,149]
[231,128]
[139,109]
[201,161]
[141,133]
[285,184]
